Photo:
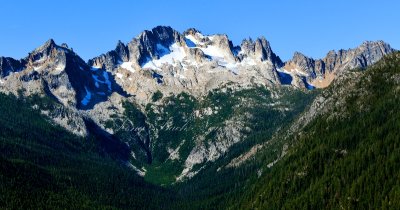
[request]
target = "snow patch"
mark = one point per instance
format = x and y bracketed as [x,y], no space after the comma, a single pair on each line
[221,57]
[96,81]
[193,40]
[211,37]
[307,85]
[161,50]
[175,53]
[87,98]
[285,76]
[128,66]
[107,80]
[94,68]
[190,43]
[214,52]
[119,75]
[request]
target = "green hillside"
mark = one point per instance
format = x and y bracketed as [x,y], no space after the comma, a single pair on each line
[345,159]
[45,167]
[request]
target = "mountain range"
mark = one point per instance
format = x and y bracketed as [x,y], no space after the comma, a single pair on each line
[178,108]
[176,62]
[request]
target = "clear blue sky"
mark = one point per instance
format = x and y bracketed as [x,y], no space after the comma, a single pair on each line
[94,27]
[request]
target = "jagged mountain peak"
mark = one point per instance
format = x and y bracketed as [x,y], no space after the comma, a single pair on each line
[372,51]
[9,65]
[250,40]
[321,72]
[51,45]
[60,73]
[65,45]
[374,43]
[184,60]
[120,44]
[48,44]
[164,35]
[259,49]
[191,31]
[46,47]
[147,49]
[47,50]
[262,39]
[298,54]
[364,46]
[112,58]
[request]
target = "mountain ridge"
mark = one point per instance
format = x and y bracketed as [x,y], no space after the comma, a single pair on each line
[139,50]
[139,82]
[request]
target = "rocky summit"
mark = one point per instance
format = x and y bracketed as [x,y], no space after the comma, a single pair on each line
[178,101]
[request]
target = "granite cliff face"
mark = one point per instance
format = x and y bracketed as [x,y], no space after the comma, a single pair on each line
[260,49]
